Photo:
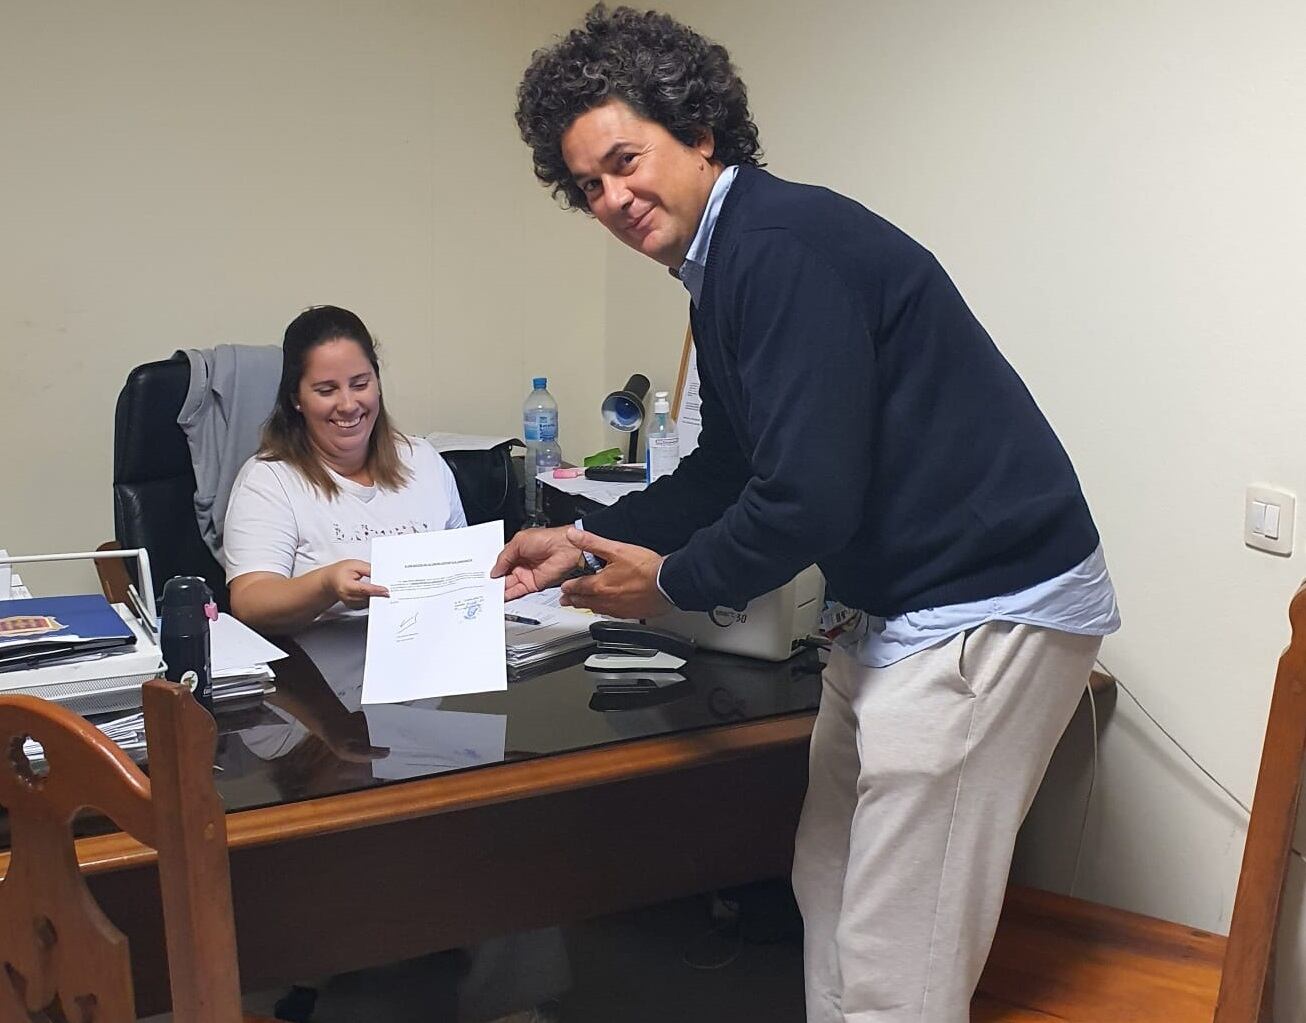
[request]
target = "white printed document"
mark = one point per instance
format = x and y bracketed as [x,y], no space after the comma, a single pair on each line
[237,649]
[539,628]
[440,632]
[442,441]
[603,492]
[689,417]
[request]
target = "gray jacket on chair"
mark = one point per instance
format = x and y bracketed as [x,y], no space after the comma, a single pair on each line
[232,391]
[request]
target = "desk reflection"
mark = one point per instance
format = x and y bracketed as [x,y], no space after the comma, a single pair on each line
[318,716]
[313,737]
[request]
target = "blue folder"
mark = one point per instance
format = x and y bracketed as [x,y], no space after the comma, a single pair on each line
[42,630]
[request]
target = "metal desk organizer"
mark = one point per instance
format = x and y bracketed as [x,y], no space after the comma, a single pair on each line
[107,683]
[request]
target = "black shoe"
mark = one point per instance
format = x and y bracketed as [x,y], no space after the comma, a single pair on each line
[296,1005]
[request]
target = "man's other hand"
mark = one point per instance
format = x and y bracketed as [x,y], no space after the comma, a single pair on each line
[626,586]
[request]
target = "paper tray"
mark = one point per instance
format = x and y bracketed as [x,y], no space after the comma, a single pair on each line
[95,686]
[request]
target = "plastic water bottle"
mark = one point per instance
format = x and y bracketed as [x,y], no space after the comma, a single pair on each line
[662,452]
[540,426]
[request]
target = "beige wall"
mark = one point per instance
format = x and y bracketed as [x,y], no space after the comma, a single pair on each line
[1116,188]
[178,175]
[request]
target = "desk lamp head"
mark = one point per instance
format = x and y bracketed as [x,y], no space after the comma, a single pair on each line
[623,410]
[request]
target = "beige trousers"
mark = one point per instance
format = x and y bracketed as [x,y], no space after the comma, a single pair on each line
[920,775]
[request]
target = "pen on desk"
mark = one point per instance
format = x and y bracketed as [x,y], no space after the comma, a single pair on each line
[519,619]
[138,608]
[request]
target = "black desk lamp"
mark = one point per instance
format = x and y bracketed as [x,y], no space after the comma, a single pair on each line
[623,410]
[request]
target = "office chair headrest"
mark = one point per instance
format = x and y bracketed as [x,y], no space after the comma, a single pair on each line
[147,408]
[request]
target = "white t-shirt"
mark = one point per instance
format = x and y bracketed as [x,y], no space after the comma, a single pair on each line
[278,522]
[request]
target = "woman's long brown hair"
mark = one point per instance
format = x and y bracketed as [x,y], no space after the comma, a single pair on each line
[285,434]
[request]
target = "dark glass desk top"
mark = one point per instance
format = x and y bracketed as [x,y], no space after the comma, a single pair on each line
[312,738]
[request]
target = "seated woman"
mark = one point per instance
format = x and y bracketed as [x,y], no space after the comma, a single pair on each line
[332,473]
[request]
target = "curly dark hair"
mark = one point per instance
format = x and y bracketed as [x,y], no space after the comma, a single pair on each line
[663,70]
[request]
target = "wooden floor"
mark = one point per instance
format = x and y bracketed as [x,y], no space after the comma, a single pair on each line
[1057,958]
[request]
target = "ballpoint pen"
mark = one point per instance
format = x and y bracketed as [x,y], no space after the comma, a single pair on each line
[138,608]
[519,619]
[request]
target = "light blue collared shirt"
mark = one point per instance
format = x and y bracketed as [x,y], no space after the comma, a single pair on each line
[695,265]
[1080,600]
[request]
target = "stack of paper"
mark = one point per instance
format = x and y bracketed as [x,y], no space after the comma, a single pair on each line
[230,682]
[35,632]
[603,492]
[443,441]
[560,629]
[239,659]
[128,732]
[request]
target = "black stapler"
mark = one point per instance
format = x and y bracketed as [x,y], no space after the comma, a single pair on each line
[628,691]
[637,666]
[635,647]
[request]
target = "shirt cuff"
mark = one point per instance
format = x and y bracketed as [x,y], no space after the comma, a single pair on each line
[660,589]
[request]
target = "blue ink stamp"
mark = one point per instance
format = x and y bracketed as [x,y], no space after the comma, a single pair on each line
[470,607]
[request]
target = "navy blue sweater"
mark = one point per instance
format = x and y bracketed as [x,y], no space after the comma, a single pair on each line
[855,415]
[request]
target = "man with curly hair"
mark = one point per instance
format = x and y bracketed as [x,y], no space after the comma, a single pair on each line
[856,416]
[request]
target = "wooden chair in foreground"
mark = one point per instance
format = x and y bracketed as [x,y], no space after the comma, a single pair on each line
[1057,958]
[63,961]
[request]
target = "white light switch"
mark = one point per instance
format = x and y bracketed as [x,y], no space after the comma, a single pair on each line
[1268,519]
[1272,522]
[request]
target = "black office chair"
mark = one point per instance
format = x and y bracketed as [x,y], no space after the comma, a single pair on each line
[154,480]
[489,487]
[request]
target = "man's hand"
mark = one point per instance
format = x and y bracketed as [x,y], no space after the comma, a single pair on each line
[627,586]
[534,560]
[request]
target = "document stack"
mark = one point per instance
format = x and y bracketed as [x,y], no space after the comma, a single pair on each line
[59,629]
[79,651]
[95,682]
[92,656]
[539,629]
[240,660]
[241,670]
[128,732]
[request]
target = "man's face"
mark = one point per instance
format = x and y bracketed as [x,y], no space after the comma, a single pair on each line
[641,183]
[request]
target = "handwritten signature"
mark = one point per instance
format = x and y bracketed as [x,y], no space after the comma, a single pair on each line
[407,628]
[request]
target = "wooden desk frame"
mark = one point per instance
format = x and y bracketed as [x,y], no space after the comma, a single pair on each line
[364,878]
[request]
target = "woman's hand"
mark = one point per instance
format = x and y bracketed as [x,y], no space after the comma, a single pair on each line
[349,581]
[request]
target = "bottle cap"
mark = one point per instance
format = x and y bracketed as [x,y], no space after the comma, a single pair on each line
[540,383]
[660,403]
[185,602]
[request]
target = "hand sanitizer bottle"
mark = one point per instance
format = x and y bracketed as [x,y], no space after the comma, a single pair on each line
[662,453]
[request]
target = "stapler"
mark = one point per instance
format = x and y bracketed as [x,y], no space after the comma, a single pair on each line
[635,647]
[627,691]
